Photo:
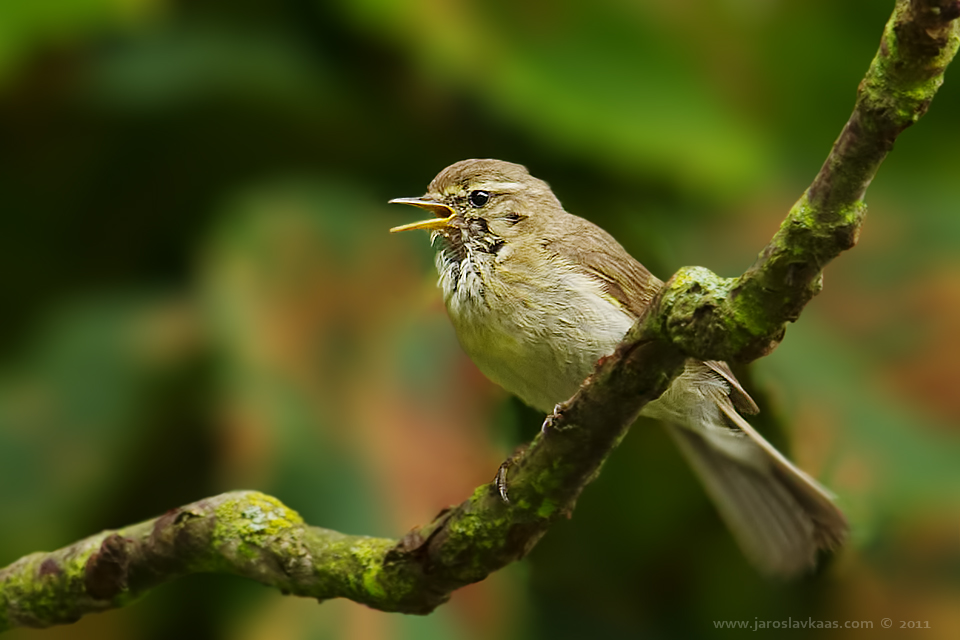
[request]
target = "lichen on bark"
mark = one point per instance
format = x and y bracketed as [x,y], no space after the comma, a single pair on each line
[696,314]
[744,318]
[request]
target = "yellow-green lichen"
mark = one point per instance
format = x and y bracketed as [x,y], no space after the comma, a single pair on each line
[548,480]
[251,519]
[371,582]
[547,508]
[365,573]
[477,529]
[31,594]
[706,282]
[371,562]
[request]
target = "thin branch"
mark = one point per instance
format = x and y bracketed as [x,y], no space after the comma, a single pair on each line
[255,536]
[244,533]
[741,319]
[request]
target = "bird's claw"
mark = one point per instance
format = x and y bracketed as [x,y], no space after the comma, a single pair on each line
[550,421]
[501,479]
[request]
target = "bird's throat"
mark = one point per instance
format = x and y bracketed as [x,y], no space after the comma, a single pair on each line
[466,256]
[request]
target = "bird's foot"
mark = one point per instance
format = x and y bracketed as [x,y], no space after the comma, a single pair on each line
[551,420]
[501,479]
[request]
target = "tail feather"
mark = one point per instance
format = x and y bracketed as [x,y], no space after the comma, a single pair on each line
[817,501]
[779,515]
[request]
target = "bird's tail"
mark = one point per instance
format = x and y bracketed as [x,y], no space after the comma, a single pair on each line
[779,515]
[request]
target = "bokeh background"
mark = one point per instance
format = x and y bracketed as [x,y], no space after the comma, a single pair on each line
[198,293]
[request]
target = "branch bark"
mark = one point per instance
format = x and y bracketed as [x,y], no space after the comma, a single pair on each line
[697,314]
[741,319]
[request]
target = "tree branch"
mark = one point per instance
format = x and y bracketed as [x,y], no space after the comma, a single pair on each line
[244,533]
[741,319]
[255,536]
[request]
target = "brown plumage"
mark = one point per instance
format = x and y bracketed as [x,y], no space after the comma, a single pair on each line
[537,295]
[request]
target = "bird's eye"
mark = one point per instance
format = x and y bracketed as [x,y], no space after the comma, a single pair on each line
[478,198]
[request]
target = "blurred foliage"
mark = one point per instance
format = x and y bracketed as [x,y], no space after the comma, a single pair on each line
[199,293]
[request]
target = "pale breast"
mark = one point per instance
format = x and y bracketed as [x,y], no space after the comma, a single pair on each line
[538,343]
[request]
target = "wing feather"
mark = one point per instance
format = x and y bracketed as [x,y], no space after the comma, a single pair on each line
[622,278]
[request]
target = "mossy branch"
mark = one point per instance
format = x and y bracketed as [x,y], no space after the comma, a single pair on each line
[697,313]
[244,533]
[255,536]
[741,319]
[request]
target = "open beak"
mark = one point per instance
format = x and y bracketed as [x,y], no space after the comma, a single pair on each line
[444,213]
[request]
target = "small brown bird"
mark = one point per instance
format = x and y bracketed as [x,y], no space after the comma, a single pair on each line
[538,295]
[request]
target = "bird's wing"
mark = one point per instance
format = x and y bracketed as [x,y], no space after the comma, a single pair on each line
[779,516]
[625,280]
[740,398]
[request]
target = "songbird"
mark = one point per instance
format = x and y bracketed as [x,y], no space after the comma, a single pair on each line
[537,295]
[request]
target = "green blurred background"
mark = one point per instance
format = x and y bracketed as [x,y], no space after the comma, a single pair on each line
[199,294]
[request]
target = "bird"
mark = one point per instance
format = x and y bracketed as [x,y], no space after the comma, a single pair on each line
[538,295]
